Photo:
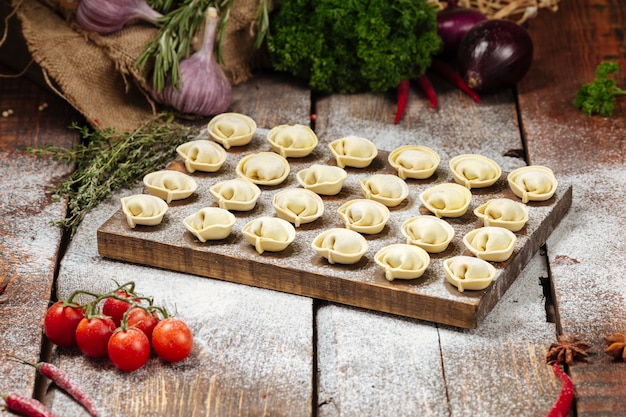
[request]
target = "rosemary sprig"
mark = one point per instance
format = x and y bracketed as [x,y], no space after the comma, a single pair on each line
[107,160]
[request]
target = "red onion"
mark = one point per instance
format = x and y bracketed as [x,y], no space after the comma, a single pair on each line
[108,16]
[494,54]
[204,88]
[453,23]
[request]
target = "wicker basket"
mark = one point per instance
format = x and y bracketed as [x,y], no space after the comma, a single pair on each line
[517,10]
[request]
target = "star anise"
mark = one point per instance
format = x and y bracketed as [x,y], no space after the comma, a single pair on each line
[567,350]
[616,344]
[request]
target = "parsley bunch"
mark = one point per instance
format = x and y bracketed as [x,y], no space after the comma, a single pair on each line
[598,97]
[346,46]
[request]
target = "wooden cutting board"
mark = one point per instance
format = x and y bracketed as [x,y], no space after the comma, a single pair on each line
[300,270]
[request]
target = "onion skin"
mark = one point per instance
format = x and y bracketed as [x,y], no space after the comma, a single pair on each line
[108,16]
[494,54]
[452,25]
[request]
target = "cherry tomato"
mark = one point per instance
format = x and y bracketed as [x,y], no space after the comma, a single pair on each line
[129,349]
[172,339]
[93,334]
[60,322]
[142,320]
[116,308]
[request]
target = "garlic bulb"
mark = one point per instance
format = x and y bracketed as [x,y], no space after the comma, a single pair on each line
[204,89]
[108,16]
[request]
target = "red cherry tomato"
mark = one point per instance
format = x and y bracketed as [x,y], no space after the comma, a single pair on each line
[93,334]
[115,308]
[129,349]
[142,320]
[172,339]
[60,323]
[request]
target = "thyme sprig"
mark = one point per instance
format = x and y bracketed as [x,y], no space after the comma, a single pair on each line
[106,161]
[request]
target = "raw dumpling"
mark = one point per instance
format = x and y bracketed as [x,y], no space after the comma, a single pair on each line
[364,216]
[353,151]
[447,200]
[231,129]
[322,179]
[294,141]
[298,205]
[236,194]
[143,209]
[210,223]
[419,162]
[170,185]
[202,155]
[490,243]
[389,190]
[342,246]
[503,212]
[263,168]
[532,183]
[475,171]
[269,234]
[468,273]
[402,261]
[428,232]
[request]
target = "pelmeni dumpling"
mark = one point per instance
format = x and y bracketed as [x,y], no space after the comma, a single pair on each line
[298,206]
[491,243]
[342,246]
[353,151]
[263,168]
[144,209]
[231,129]
[237,194]
[411,161]
[475,171]
[170,185]
[210,223]
[269,234]
[428,232]
[322,179]
[532,183]
[364,216]
[468,273]
[295,141]
[402,261]
[447,200]
[202,155]
[387,189]
[503,212]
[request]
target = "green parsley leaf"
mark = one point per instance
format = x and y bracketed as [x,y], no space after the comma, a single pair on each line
[599,96]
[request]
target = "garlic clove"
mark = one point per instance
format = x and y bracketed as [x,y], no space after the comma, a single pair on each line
[108,16]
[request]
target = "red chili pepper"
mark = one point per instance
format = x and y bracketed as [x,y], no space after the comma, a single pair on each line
[447,72]
[424,82]
[403,98]
[563,403]
[26,406]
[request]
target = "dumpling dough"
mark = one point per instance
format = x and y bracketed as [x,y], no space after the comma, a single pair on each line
[210,223]
[503,212]
[263,168]
[170,185]
[298,205]
[364,216]
[428,232]
[402,261]
[295,141]
[475,171]
[202,155]
[342,246]
[322,179]
[143,209]
[231,129]
[389,190]
[468,273]
[490,243]
[447,200]
[532,183]
[236,194]
[353,151]
[419,162]
[269,234]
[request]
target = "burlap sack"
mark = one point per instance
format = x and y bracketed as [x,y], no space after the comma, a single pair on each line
[97,74]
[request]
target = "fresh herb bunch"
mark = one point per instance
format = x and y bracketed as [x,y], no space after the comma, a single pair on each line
[107,160]
[598,97]
[346,46]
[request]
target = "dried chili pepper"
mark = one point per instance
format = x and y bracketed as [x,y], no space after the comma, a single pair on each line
[563,403]
[447,72]
[403,98]
[26,406]
[424,82]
